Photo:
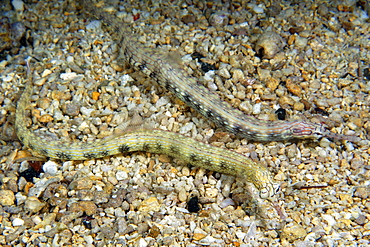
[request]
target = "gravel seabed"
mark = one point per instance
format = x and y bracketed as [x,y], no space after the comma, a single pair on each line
[310,58]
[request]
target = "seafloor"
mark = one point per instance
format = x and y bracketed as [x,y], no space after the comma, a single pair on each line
[306,60]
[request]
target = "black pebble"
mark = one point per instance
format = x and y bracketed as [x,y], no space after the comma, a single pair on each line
[193,205]
[367,73]
[281,113]
[29,174]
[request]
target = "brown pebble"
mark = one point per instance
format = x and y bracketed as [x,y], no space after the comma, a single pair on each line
[43,103]
[33,204]
[286,100]
[46,118]
[95,95]
[188,19]
[6,197]
[362,192]
[361,220]
[117,67]
[87,207]
[298,106]
[71,109]
[307,105]
[150,204]
[154,231]
[293,233]
[164,158]
[198,236]
[269,44]
[293,88]
[272,83]
[81,184]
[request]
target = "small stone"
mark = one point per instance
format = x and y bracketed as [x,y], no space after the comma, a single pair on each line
[17,222]
[293,88]
[43,103]
[46,73]
[164,158]
[47,221]
[93,26]
[117,67]
[182,195]
[300,42]
[18,5]
[188,19]
[150,204]
[81,184]
[357,163]
[286,100]
[154,231]
[142,228]
[219,19]
[264,74]
[7,197]
[41,185]
[121,175]
[46,118]
[269,44]
[68,76]
[256,108]
[33,204]
[198,236]
[211,192]
[50,167]
[224,73]
[293,233]
[87,207]
[298,106]
[71,109]
[363,192]
[238,75]
[361,220]
[272,83]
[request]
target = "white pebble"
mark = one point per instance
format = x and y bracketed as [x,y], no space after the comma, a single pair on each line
[161,101]
[209,75]
[227,202]
[258,9]
[89,240]
[125,79]
[70,59]
[18,222]
[309,176]
[20,198]
[50,167]
[330,219]
[8,78]
[86,111]
[68,76]
[93,26]
[121,175]
[18,5]
[186,128]
[257,108]
[46,73]
[187,58]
